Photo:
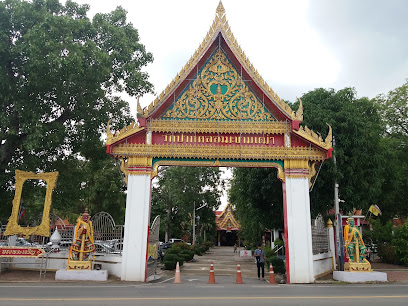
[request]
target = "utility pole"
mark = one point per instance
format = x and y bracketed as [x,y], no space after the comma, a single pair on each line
[194,217]
[194,220]
[339,232]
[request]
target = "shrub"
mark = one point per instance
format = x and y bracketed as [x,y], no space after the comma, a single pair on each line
[182,246]
[401,243]
[387,253]
[198,250]
[170,261]
[187,255]
[169,265]
[277,263]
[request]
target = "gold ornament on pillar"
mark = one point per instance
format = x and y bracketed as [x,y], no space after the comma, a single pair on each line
[296,168]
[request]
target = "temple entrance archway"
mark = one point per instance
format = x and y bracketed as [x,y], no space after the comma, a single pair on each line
[218,111]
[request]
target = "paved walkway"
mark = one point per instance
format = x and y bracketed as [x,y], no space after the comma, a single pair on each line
[225,264]
[395,273]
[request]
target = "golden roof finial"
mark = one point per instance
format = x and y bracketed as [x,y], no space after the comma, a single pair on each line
[299,112]
[220,9]
[139,112]
[109,135]
[329,138]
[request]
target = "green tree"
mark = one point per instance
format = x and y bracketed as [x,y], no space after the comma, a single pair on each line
[394,113]
[61,74]
[394,110]
[357,130]
[257,196]
[176,192]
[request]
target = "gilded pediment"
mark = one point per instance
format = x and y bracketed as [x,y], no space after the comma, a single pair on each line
[218,92]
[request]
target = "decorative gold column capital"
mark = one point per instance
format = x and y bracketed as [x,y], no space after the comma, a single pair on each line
[139,165]
[296,168]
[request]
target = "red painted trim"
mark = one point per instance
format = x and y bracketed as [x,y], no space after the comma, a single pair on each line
[142,121]
[148,228]
[330,153]
[285,216]
[295,125]
[108,150]
[147,251]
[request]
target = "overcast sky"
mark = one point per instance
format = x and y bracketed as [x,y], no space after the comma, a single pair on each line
[295,45]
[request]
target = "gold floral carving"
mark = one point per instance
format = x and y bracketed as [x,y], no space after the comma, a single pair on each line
[124,169]
[219,25]
[218,92]
[312,172]
[297,168]
[123,133]
[296,164]
[139,165]
[142,161]
[249,164]
[214,152]
[13,228]
[213,126]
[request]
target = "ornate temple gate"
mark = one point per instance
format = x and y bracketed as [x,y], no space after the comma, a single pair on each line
[218,111]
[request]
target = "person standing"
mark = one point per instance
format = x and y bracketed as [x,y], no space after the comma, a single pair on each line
[260,261]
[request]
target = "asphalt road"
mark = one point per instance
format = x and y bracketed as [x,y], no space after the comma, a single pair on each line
[192,293]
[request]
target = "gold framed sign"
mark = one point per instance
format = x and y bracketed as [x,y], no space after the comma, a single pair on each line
[13,228]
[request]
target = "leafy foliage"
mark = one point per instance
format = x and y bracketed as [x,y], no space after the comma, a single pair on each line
[257,196]
[60,76]
[392,242]
[394,113]
[177,190]
[357,130]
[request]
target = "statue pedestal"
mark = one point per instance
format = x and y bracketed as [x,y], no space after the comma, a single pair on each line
[90,275]
[359,277]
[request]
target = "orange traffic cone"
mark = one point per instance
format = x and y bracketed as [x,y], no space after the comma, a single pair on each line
[211,279]
[239,276]
[177,279]
[271,275]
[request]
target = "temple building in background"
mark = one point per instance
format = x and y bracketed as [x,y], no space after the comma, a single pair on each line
[227,227]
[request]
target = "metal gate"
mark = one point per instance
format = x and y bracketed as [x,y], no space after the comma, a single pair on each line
[152,258]
[320,236]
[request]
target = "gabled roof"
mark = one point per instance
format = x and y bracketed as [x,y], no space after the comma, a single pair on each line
[225,217]
[220,36]
[196,94]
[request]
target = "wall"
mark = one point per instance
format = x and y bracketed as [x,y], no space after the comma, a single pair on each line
[322,264]
[56,261]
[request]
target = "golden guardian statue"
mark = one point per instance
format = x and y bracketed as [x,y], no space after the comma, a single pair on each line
[356,250]
[79,257]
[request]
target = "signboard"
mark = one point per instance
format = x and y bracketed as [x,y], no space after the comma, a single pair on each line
[245,253]
[20,252]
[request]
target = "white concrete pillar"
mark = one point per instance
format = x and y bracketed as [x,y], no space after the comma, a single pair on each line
[298,232]
[135,240]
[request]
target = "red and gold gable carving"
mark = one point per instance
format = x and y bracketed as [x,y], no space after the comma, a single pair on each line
[219,107]
[226,220]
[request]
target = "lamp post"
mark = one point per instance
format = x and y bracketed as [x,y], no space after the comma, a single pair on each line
[339,234]
[194,219]
[194,224]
